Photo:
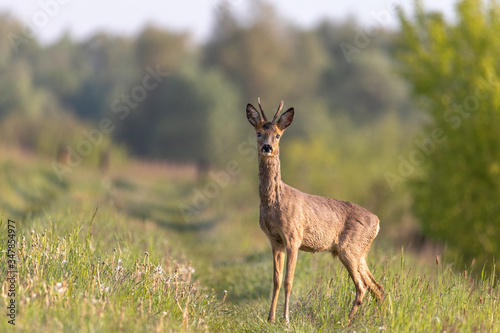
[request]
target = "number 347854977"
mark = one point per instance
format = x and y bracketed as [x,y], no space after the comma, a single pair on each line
[11,245]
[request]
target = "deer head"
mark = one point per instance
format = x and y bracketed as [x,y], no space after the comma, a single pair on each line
[269,132]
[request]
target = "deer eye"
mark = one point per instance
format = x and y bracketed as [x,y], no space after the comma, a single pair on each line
[277,136]
[259,134]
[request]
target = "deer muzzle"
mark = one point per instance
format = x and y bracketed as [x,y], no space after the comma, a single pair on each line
[266,149]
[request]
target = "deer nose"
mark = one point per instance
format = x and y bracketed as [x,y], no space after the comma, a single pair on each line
[267,149]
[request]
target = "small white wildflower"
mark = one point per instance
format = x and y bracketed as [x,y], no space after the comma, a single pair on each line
[119,267]
[158,269]
[64,262]
[187,270]
[59,287]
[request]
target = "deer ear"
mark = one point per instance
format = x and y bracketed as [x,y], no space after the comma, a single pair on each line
[286,119]
[253,115]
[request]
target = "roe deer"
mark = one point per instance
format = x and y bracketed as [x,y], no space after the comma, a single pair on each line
[293,220]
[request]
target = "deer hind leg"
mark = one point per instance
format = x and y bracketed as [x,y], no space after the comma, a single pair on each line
[376,288]
[279,259]
[354,267]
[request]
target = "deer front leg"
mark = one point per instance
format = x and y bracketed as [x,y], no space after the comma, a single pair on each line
[279,259]
[291,260]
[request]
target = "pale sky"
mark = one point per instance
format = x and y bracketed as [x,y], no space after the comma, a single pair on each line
[83,18]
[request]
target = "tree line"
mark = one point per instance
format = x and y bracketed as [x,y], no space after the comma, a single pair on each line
[185,115]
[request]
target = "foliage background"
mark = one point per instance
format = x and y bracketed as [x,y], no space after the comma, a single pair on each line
[454,71]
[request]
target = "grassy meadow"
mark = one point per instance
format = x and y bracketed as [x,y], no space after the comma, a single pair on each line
[119,253]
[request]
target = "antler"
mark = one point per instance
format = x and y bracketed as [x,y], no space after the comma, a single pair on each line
[261,110]
[277,112]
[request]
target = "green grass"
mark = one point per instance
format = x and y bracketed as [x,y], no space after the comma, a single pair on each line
[67,283]
[138,266]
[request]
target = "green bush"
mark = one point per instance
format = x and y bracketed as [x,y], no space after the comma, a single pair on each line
[454,71]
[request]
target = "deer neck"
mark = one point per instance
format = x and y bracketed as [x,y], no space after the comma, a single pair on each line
[270,180]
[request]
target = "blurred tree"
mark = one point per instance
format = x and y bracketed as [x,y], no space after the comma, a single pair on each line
[454,70]
[60,68]
[18,92]
[365,87]
[265,58]
[255,54]
[184,119]
[7,25]
[156,47]
[172,120]
[106,68]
